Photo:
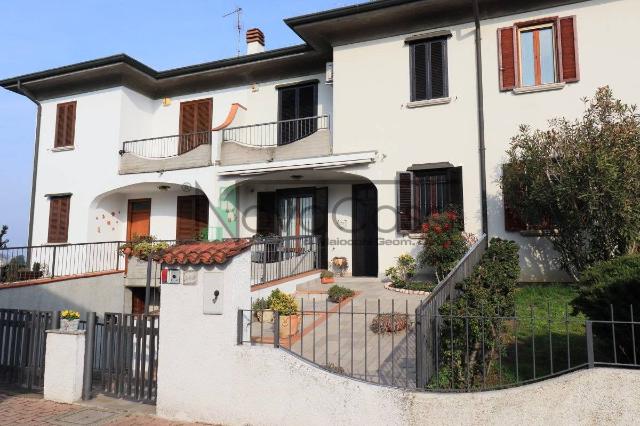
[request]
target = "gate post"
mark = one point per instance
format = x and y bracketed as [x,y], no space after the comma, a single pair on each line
[90,339]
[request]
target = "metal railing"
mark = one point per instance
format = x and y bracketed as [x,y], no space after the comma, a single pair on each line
[472,352]
[166,146]
[276,133]
[273,258]
[429,308]
[52,261]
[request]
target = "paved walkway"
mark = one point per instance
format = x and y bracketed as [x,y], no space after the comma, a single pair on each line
[32,409]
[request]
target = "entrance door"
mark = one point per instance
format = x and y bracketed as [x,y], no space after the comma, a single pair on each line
[138,218]
[294,104]
[365,230]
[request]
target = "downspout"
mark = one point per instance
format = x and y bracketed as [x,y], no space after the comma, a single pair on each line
[27,93]
[480,96]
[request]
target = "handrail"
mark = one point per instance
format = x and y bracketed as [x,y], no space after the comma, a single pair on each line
[275,133]
[276,122]
[166,146]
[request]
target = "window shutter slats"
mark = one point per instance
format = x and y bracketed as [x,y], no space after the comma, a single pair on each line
[404,202]
[65,124]
[507,58]
[187,118]
[192,216]
[438,69]
[59,219]
[419,66]
[569,71]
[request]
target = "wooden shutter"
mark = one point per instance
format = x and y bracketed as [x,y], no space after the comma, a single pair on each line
[192,216]
[195,117]
[568,49]
[438,69]
[419,72]
[59,219]
[266,221]
[507,58]
[405,202]
[65,124]
[454,179]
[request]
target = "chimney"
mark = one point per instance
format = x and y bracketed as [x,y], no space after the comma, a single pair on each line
[255,41]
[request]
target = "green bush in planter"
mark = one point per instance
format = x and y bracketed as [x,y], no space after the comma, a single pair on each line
[284,304]
[338,293]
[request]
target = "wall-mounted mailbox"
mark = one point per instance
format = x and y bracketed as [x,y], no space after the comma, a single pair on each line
[212,295]
[170,276]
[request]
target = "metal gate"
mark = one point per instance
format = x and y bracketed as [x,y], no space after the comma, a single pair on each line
[129,359]
[22,347]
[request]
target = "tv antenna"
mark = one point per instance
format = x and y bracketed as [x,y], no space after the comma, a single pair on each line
[238,12]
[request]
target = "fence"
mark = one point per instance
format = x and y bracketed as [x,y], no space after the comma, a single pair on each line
[277,132]
[429,308]
[273,258]
[166,146]
[471,352]
[35,262]
[22,346]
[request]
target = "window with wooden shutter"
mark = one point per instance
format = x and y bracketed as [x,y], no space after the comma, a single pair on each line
[195,124]
[65,125]
[192,217]
[59,218]
[429,69]
[405,202]
[538,52]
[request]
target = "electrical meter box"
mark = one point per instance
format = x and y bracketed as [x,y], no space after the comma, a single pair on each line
[212,293]
[170,276]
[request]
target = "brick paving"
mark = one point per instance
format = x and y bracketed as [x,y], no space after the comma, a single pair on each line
[32,409]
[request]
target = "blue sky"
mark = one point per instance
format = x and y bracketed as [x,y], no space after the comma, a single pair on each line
[37,35]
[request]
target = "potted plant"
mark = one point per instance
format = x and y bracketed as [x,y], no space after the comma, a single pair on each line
[338,293]
[326,277]
[341,264]
[262,310]
[69,320]
[287,307]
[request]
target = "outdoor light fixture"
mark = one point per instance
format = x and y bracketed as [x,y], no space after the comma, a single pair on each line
[164,187]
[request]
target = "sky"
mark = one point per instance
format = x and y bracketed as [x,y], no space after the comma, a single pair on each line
[163,34]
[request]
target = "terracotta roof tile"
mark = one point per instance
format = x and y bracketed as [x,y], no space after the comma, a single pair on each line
[206,253]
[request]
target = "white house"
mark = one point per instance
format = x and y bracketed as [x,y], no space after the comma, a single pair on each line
[389,110]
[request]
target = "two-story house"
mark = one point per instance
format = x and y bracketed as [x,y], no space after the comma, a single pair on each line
[388,111]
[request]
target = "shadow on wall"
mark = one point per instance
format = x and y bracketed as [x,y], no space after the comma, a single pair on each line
[101,294]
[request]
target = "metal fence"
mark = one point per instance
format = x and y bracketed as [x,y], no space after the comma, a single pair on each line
[35,262]
[273,258]
[166,146]
[429,308]
[276,133]
[23,346]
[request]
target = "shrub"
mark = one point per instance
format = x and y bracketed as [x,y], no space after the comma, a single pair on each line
[260,304]
[403,271]
[284,304]
[419,286]
[444,242]
[338,293]
[583,177]
[487,293]
[390,323]
[326,274]
[140,247]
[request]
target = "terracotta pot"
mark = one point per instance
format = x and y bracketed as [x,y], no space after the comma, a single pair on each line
[287,330]
[327,280]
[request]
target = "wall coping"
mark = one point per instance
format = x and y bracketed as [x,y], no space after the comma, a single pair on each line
[41,281]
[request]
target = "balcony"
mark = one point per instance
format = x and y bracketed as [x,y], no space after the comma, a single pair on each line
[166,153]
[276,141]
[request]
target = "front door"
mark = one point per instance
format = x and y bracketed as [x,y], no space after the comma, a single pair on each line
[365,230]
[138,218]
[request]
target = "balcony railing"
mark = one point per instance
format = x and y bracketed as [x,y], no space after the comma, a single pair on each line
[274,258]
[166,146]
[276,133]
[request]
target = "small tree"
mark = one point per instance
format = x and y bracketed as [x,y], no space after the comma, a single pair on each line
[3,233]
[583,177]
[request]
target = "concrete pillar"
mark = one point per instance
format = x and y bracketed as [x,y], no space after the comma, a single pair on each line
[64,365]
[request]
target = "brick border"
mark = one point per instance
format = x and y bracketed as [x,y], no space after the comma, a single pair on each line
[405,291]
[42,281]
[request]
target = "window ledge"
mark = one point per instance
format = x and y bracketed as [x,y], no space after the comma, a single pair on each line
[63,148]
[428,102]
[415,235]
[541,88]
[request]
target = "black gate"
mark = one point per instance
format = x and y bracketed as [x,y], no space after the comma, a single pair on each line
[129,358]
[22,347]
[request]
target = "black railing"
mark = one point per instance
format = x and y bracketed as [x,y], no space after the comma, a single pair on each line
[273,258]
[166,146]
[277,132]
[52,261]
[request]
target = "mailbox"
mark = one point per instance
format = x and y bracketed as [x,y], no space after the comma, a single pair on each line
[170,276]
[212,293]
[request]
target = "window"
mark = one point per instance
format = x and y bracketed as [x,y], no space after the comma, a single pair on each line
[195,124]
[539,52]
[192,217]
[59,218]
[424,192]
[429,70]
[294,104]
[65,125]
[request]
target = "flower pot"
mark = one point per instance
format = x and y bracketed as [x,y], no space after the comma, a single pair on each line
[327,280]
[265,316]
[288,325]
[69,325]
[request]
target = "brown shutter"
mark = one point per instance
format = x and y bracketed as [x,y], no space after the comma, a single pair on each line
[568,49]
[405,202]
[192,217]
[65,124]
[59,219]
[507,58]
[195,117]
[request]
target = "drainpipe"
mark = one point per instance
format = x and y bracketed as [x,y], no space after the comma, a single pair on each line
[29,95]
[480,96]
